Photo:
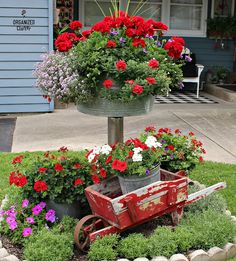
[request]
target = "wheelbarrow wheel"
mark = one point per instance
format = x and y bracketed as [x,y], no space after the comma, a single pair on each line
[85,226]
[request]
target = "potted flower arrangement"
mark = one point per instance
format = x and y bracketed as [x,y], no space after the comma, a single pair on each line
[58,178]
[136,162]
[120,60]
[181,152]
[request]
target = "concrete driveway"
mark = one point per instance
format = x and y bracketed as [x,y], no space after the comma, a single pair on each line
[213,124]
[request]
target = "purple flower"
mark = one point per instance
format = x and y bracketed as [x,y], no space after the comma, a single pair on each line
[42,204]
[27,231]
[158,43]
[13,225]
[147,171]
[11,212]
[181,85]
[188,59]
[25,203]
[114,33]
[122,40]
[144,50]
[37,210]
[172,156]
[50,216]
[2,212]
[166,148]
[30,220]
[163,141]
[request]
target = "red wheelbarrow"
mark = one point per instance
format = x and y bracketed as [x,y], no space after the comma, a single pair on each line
[114,212]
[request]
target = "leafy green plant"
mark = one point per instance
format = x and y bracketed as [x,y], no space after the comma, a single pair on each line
[133,246]
[162,242]
[104,248]
[214,202]
[209,229]
[47,245]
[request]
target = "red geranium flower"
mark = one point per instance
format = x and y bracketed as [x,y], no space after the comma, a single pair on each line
[138,42]
[63,149]
[119,165]
[131,153]
[64,42]
[177,131]
[201,159]
[160,26]
[78,181]
[130,32]
[18,179]
[150,129]
[103,173]
[130,82]
[95,179]
[151,80]
[40,186]
[86,33]
[77,166]
[121,65]
[42,170]
[58,167]
[138,89]
[191,133]
[108,83]
[153,63]
[108,160]
[75,25]
[171,147]
[17,159]
[111,44]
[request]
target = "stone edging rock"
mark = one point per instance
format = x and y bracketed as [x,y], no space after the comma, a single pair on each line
[213,254]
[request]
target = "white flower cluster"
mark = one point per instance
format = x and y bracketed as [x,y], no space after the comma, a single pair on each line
[55,75]
[137,156]
[105,149]
[151,141]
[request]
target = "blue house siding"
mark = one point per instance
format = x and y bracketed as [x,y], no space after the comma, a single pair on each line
[209,56]
[20,50]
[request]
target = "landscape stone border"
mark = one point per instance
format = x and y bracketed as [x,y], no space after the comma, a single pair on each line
[213,254]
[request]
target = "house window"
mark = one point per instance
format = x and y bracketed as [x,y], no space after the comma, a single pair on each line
[222,8]
[184,17]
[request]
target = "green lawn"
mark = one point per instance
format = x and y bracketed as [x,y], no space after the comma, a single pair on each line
[207,173]
[210,173]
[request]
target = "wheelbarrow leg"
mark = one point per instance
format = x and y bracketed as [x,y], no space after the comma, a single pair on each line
[177,215]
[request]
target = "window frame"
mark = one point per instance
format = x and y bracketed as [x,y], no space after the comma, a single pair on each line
[213,9]
[165,18]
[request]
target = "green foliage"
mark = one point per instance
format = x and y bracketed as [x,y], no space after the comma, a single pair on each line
[209,229]
[214,202]
[133,246]
[104,248]
[183,237]
[47,245]
[162,242]
[66,225]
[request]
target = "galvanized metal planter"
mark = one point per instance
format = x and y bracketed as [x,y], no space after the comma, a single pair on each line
[131,183]
[107,108]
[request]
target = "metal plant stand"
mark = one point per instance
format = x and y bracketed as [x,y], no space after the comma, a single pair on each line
[115,129]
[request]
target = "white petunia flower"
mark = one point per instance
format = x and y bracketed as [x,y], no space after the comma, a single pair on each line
[106,149]
[137,157]
[151,141]
[91,157]
[137,150]
[96,150]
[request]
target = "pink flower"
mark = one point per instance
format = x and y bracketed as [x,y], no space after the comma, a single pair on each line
[25,203]
[30,220]
[42,204]
[50,216]
[27,231]
[37,210]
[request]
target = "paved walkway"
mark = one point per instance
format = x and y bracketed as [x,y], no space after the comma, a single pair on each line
[213,124]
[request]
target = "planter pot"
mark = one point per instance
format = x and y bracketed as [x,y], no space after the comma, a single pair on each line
[106,108]
[65,209]
[134,182]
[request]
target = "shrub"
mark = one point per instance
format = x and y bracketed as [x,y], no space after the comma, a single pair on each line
[214,201]
[209,229]
[47,245]
[162,242]
[184,238]
[104,248]
[135,245]
[66,225]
